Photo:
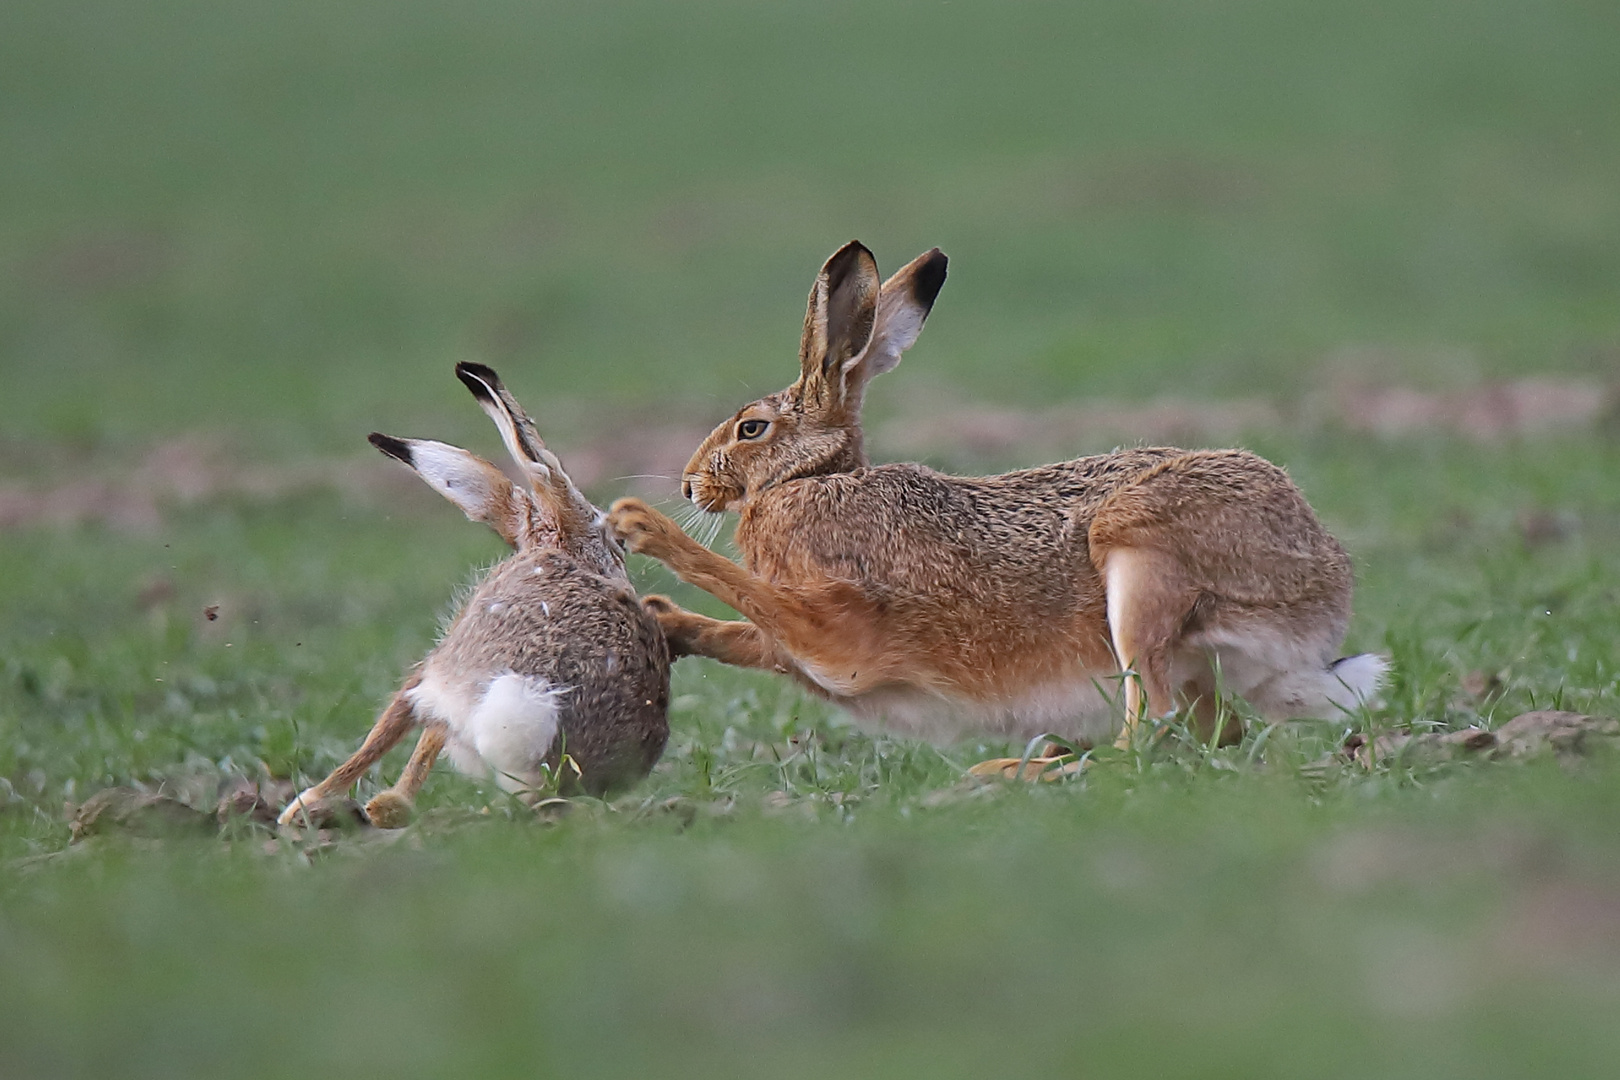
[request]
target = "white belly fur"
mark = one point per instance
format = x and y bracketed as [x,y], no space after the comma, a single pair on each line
[1080,709]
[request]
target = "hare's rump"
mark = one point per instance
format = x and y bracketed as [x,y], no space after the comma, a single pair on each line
[578,668]
[1220,577]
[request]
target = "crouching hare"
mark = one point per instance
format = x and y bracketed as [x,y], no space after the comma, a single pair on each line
[1005,605]
[551,655]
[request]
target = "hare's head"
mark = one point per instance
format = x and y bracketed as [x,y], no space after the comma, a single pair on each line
[550,514]
[854,328]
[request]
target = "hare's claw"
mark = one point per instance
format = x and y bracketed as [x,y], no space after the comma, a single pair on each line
[1031,769]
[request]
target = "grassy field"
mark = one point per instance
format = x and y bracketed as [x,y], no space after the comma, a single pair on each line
[234,239]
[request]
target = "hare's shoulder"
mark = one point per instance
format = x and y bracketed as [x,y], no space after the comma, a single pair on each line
[552,588]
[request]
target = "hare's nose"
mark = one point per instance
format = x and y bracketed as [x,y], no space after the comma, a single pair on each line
[686,490]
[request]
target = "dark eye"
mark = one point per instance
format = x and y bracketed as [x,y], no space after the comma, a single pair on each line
[752,429]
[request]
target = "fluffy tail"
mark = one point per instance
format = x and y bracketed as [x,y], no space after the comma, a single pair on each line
[1353,681]
[1323,693]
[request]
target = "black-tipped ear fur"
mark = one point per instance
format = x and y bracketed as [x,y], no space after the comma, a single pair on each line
[928,277]
[502,407]
[903,306]
[394,448]
[480,489]
[481,380]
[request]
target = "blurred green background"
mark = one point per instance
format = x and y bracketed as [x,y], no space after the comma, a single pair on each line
[236,238]
[285,220]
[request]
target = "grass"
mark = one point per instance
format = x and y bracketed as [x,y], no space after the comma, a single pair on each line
[280,227]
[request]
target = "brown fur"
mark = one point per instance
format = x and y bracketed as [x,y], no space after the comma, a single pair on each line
[950,603]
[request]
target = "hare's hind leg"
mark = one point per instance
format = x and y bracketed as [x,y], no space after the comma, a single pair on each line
[1149,600]
[391,809]
[394,724]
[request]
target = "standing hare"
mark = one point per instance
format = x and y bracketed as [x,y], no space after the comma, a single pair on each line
[1009,604]
[551,655]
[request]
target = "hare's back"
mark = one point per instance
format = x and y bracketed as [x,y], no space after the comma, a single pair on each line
[908,523]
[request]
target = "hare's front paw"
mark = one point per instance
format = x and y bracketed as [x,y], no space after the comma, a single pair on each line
[678,624]
[661,607]
[643,529]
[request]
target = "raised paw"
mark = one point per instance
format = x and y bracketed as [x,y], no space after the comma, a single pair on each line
[681,628]
[643,529]
[661,607]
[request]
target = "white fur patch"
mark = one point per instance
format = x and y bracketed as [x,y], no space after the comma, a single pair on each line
[514,726]
[1358,678]
[453,473]
[507,728]
[1075,708]
[1121,573]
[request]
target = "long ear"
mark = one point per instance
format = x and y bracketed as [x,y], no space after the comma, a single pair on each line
[838,323]
[903,307]
[574,513]
[481,490]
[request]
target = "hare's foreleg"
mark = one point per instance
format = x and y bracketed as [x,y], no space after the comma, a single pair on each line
[391,809]
[394,724]
[832,630]
[647,532]
[733,642]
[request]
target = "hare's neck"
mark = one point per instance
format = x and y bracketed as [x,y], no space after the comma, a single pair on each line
[847,457]
[850,457]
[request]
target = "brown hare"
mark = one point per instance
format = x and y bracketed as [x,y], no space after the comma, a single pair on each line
[551,654]
[1003,605]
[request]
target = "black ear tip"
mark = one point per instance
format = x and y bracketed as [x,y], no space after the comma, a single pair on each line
[394,448]
[481,380]
[930,277]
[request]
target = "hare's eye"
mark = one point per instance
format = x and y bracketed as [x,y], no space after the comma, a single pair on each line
[752,429]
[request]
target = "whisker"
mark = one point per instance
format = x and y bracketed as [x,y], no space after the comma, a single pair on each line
[643,476]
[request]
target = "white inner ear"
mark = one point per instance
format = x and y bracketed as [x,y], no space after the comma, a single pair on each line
[899,322]
[453,473]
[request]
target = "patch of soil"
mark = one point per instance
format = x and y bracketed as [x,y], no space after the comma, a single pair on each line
[648,458]
[1566,734]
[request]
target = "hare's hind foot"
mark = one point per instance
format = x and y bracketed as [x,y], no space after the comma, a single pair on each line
[1054,761]
[325,812]
[390,810]
[394,808]
[1045,769]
